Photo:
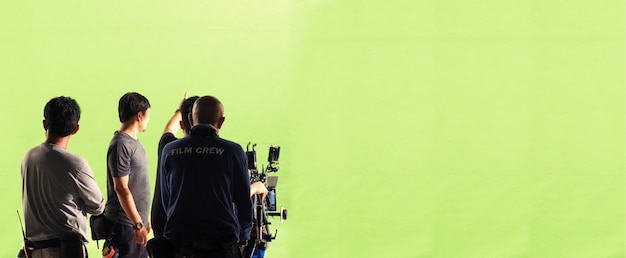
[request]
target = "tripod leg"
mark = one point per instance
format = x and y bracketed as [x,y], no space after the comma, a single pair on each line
[248,250]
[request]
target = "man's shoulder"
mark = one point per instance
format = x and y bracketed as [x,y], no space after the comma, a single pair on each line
[59,156]
[35,149]
[230,143]
[73,158]
[234,147]
[168,137]
[123,140]
[116,139]
[165,139]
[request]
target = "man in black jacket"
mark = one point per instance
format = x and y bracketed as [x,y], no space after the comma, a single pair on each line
[205,188]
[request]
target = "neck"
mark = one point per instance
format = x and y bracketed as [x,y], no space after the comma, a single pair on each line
[130,129]
[58,141]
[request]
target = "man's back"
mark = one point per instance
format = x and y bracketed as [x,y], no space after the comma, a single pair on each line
[202,176]
[58,189]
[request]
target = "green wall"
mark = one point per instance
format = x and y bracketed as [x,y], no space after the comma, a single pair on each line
[408,128]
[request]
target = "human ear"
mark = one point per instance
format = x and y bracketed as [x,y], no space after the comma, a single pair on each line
[220,122]
[76,130]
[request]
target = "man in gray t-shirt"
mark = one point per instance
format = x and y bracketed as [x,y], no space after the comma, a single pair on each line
[128,185]
[127,158]
[58,188]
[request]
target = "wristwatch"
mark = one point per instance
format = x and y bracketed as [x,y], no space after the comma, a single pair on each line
[138,226]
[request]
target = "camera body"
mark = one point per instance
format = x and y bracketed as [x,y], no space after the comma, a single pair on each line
[270,199]
[269,181]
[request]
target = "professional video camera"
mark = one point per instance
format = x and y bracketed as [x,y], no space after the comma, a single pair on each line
[263,207]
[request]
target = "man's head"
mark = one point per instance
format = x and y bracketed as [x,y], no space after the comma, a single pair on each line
[208,110]
[185,110]
[61,115]
[134,107]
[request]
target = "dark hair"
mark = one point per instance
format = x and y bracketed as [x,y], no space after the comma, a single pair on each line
[186,109]
[61,115]
[130,104]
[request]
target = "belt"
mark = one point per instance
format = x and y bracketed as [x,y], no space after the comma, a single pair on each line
[43,244]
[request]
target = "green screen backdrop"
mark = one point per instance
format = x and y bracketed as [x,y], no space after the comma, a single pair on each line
[407,128]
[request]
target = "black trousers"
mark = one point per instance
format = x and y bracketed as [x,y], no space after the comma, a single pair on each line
[163,248]
[209,250]
[123,241]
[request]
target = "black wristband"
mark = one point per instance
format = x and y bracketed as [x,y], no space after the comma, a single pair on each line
[138,226]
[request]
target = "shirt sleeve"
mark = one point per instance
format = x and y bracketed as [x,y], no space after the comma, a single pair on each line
[88,190]
[119,160]
[241,194]
[163,184]
[165,139]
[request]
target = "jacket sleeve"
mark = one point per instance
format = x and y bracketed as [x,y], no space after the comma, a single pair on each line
[241,194]
[163,183]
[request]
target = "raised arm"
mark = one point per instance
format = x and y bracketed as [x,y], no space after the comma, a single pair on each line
[173,124]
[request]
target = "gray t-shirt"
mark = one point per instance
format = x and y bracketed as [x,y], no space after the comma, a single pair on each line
[126,157]
[58,189]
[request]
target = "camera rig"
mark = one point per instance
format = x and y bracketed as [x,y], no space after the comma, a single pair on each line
[263,207]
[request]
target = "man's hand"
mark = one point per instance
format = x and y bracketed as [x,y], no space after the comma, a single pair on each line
[149,227]
[183,101]
[141,236]
[173,125]
[258,188]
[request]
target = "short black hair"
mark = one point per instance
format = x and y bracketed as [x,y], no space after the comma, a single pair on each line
[61,115]
[130,104]
[186,109]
